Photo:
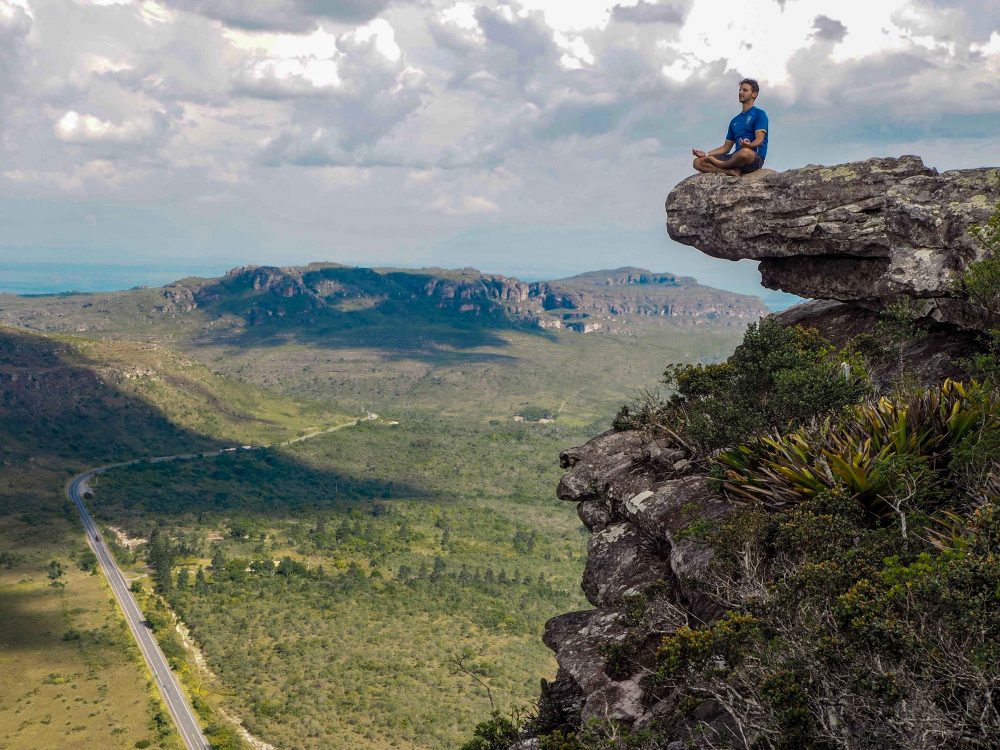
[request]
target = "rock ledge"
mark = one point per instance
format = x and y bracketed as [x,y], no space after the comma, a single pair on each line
[867,232]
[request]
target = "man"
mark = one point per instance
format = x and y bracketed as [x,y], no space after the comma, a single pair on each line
[747,131]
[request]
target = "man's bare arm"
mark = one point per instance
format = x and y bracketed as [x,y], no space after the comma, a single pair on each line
[756,142]
[723,149]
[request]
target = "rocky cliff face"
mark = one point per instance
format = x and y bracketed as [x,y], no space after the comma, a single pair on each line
[867,232]
[638,498]
[856,236]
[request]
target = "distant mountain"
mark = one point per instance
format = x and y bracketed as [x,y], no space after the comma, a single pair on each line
[610,301]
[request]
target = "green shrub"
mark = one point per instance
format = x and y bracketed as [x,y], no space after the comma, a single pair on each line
[87,561]
[981,279]
[496,733]
[777,378]
[718,646]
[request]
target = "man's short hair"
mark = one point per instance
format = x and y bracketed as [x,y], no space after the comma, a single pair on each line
[754,86]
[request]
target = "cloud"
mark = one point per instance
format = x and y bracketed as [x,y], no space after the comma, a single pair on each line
[95,174]
[829,29]
[284,78]
[464,205]
[562,114]
[957,21]
[282,15]
[648,12]
[342,104]
[524,33]
[15,25]
[587,116]
[86,129]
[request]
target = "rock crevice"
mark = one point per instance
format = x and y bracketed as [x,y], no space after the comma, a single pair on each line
[637,498]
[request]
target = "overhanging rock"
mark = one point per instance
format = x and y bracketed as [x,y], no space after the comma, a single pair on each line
[865,232]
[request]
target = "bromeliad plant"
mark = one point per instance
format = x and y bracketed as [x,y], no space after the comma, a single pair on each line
[854,449]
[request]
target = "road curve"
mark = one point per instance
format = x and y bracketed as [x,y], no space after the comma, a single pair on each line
[181,711]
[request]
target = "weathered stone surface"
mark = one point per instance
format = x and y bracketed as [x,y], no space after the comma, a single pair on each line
[824,276]
[668,515]
[619,562]
[873,231]
[809,211]
[614,466]
[595,514]
[578,639]
[642,561]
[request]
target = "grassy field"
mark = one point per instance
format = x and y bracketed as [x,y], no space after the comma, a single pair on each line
[70,674]
[581,377]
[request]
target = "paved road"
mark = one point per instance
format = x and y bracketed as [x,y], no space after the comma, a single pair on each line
[170,689]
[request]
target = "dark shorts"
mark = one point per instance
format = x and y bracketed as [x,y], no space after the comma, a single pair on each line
[753,166]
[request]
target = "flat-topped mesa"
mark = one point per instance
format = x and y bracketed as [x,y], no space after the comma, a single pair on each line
[866,232]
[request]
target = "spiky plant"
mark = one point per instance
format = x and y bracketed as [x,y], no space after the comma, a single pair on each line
[850,450]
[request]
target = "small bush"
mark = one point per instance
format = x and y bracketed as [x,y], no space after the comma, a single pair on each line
[981,279]
[777,378]
[496,733]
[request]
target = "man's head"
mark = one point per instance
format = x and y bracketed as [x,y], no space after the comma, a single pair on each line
[749,88]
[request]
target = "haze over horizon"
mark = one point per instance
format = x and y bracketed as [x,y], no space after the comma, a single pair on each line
[533,138]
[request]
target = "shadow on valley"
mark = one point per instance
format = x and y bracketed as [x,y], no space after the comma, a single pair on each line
[408,315]
[56,406]
[29,619]
[263,481]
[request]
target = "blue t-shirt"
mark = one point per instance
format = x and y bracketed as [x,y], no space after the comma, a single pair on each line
[745,125]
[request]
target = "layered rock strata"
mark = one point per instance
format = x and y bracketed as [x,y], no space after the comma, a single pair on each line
[639,500]
[866,232]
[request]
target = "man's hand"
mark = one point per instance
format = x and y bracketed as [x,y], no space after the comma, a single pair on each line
[698,152]
[746,143]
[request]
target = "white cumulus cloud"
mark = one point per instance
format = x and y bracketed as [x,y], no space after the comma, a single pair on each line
[74,127]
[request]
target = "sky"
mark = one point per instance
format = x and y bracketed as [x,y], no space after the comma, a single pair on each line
[535,138]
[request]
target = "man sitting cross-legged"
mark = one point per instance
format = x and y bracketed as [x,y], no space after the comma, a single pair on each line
[747,131]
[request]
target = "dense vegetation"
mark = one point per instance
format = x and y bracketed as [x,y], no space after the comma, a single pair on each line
[778,377]
[360,595]
[863,614]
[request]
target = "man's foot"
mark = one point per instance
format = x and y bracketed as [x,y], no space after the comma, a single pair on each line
[732,172]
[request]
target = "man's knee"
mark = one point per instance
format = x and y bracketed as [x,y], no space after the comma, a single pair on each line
[746,155]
